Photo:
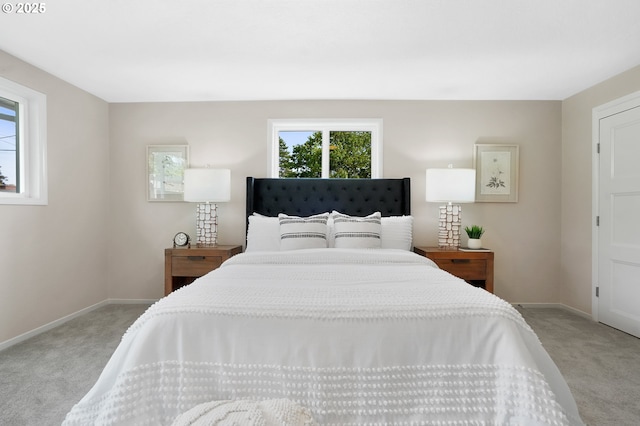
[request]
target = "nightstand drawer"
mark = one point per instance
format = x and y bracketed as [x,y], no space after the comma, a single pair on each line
[467,269]
[194,266]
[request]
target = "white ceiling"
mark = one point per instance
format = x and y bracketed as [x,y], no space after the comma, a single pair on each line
[200,50]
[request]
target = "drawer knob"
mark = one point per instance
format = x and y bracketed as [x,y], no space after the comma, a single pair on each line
[195,257]
[460,260]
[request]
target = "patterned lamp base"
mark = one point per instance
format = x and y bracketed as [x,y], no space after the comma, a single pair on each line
[450,223]
[206,225]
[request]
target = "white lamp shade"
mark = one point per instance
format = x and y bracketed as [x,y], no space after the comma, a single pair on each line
[451,185]
[203,185]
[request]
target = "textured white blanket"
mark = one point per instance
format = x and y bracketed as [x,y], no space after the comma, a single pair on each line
[357,337]
[272,412]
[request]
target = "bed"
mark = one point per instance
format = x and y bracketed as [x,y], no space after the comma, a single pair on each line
[358,331]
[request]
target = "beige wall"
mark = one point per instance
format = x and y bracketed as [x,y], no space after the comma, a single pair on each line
[577,157]
[99,238]
[417,135]
[53,258]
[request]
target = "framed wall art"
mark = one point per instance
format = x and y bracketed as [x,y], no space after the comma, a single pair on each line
[496,172]
[165,172]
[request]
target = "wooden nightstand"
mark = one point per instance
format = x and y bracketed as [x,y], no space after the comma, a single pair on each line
[183,265]
[475,267]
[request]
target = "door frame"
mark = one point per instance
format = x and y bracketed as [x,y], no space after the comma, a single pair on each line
[610,108]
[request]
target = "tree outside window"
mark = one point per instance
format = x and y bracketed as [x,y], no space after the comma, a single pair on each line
[336,149]
[349,155]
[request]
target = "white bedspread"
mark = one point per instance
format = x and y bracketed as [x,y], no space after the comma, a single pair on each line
[356,336]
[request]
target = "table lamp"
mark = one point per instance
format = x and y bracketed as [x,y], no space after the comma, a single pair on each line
[207,187]
[450,186]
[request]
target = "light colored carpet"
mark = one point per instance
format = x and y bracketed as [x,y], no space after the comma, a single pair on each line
[43,377]
[600,364]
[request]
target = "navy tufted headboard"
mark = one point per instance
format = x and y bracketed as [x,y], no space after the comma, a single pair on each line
[306,196]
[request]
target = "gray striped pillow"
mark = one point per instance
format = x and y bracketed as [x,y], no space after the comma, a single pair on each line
[303,232]
[357,232]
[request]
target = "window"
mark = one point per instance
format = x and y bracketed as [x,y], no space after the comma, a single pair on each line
[9,166]
[22,145]
[325,148]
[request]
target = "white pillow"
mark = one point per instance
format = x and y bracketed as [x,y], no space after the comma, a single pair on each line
[357,232]
[263,233]
[303,232]
[397,232]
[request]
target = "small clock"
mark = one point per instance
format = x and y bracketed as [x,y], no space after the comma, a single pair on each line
[181,239]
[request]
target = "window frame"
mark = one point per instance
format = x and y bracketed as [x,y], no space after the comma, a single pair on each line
[373,125]
[32,144]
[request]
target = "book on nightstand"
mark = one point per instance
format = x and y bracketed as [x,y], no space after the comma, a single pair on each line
[470,249]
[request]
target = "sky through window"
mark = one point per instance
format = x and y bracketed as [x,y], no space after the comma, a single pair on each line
[8,141]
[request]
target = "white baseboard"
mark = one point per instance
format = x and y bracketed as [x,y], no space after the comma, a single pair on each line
[556,306]
[131,301]
[56,323]
[50,325]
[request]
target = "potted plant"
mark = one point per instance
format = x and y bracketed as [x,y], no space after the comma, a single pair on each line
[474,233]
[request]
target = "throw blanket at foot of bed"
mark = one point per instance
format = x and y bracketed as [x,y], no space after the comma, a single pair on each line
[376,337]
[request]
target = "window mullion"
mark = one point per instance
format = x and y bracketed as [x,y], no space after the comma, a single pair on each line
[326,139]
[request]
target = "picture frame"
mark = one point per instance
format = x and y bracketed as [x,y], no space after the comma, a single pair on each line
[497,169]
[165,172]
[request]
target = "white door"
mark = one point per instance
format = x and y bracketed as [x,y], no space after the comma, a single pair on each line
[619,230]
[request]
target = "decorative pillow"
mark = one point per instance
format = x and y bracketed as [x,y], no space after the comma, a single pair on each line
[357,232]
[397,232]
[303,232]
[263,233]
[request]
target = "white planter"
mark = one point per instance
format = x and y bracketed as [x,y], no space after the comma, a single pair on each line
[475,243]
